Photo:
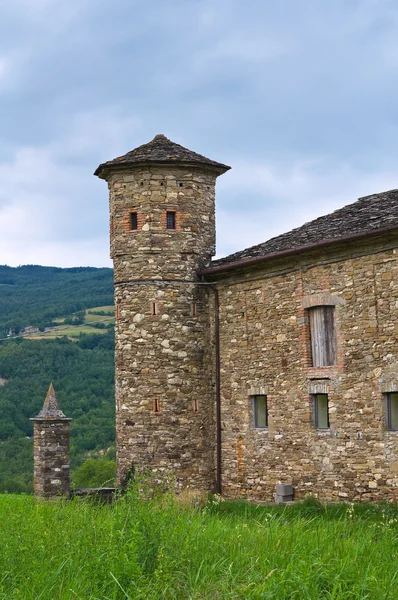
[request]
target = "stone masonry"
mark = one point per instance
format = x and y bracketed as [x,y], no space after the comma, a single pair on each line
[164,393]
[265,349]
[166,338]
[51,450]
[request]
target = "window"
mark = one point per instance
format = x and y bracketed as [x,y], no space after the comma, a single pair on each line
[260,411]
[321,411]
[156,405]
[154,309]
[392,411]
[170,220]
[323,336]
[133,220]
[195,406]
[195,311]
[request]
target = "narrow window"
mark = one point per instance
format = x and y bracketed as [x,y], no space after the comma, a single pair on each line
[195,311]
[133,220]
[195,406]
[155,309]
[260,411]
[156,405]
[170,220]
[392,411]
[321,411]
[323,336]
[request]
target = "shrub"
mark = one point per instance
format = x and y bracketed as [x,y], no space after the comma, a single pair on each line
[95,472]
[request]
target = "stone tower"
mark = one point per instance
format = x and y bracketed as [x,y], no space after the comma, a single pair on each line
[162,230]
[51,450]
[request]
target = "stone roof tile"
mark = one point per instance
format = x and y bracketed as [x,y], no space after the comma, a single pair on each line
[378,211]
[160,150]
[50,408]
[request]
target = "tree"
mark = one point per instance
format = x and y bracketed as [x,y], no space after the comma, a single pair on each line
[95,472]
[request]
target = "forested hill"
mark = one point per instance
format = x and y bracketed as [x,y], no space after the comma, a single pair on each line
[78,363]
[35,295]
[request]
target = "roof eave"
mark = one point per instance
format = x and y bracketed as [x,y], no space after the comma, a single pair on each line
[248,262]
[104,169]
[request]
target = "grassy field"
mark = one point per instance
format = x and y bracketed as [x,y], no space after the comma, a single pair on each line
[74,331]
[139,549]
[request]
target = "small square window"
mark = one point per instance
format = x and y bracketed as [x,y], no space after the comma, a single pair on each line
[170,220]
[133,220]
[392,411]
[321,411]
[260,411]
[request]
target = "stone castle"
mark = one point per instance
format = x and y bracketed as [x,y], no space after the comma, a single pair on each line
[277,364]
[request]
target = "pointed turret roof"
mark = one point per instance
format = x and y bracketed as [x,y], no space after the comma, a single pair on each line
[159,151]
[50,408]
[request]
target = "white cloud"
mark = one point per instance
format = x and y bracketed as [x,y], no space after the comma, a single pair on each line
[3,67]
[52,209]
[282,197]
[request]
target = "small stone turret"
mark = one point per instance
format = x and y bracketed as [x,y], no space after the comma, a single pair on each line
[51,449]
[162,230]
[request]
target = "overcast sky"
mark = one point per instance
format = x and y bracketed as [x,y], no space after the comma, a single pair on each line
[298,96]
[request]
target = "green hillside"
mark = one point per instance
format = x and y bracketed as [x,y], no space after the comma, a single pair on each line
[76,354]
[34,296]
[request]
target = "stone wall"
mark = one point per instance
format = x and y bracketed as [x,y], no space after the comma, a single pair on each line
[265,349]
[51,458]
[164,393]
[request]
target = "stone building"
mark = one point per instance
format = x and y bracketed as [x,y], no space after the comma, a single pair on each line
[277,364]
[51,449]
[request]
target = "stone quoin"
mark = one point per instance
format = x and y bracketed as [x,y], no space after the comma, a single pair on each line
[275,366]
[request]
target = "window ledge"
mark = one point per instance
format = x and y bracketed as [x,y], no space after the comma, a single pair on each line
[322,432]
[322,372]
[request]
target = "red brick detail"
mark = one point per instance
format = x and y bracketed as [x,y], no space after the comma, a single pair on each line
[180,218]
[126,222]
[304,327]
[155,308]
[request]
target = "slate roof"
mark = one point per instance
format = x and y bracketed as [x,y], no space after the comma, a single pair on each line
[50,408]
[378,211]
[160,150]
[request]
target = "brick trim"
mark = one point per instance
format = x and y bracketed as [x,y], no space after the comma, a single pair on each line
[179,220]
[126,223]
[321,300]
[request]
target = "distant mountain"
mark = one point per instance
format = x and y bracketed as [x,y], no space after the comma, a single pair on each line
[32,295]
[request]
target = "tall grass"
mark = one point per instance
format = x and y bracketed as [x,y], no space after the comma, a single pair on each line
[138,548]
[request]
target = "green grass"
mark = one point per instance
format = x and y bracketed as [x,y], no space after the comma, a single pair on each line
[74,331]
[146,549]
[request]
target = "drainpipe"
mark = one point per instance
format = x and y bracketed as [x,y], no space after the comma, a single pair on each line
[218,390]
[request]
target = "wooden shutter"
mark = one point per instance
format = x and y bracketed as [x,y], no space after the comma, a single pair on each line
[323,336]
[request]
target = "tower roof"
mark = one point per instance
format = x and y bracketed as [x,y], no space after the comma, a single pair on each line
[159,151]
[50,408]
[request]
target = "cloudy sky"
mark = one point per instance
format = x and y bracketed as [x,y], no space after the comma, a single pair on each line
[298,96]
